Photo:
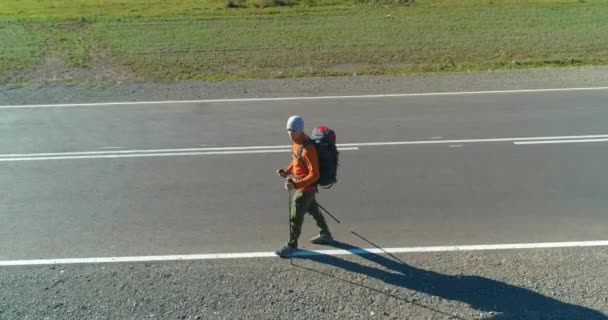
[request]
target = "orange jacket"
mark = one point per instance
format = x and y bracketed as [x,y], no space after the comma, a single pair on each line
[306,171]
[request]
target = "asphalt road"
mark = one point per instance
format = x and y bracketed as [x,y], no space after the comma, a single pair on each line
[397,195]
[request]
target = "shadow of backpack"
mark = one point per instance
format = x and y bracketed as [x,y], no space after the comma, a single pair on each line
[324,140]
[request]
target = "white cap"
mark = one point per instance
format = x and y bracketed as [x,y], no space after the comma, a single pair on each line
[295,123]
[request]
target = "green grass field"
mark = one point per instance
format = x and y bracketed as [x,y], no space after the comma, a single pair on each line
[165,40]
[18,48]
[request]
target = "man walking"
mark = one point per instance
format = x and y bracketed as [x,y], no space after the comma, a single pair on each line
[302,175]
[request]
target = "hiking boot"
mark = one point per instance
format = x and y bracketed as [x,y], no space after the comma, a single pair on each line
[285,251]
[322,239]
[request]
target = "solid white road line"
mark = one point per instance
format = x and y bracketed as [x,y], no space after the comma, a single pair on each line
[561,141]
[266,149]
[135,151]
[142,155]
[215,256]
[370,96]
[397,143]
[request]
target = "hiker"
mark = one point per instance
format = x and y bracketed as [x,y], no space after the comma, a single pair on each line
[302,175]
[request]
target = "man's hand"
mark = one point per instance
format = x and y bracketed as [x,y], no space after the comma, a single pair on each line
[289,185]
[282,173]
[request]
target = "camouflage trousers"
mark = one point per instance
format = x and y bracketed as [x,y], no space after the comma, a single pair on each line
[304,202]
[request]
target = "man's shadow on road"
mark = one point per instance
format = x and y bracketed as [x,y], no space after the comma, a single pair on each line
[483,294]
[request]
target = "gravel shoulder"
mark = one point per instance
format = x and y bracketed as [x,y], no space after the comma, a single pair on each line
[353,85]
[526,284]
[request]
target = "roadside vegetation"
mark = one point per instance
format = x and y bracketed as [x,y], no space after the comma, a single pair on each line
[234,39]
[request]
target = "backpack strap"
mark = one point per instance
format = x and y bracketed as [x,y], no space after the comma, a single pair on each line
[301,148]
[299,155]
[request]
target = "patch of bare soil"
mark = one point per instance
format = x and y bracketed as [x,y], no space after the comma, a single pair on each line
[52,68]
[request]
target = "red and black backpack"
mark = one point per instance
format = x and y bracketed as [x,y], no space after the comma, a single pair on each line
[324,140]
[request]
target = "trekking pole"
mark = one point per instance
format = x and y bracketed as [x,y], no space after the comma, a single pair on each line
[320,206]
[377,246]
[290,230]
